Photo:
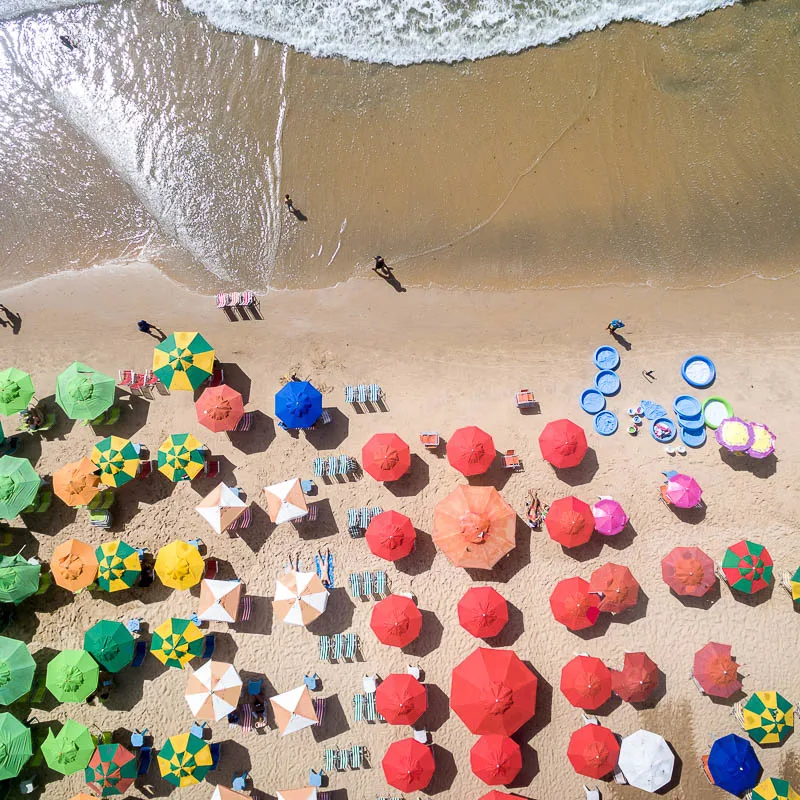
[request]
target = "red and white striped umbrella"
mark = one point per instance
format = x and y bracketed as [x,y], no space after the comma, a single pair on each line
[213,690]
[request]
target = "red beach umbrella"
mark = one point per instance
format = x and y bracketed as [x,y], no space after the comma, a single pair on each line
[586,682]
[593,751]
[482,611]
[408,765]
[493,692]
[391,535]
[572,604]
[219,408]
[396,620]
[401,699]
[471,451]
[386,457]
[716,671]
[616,583]
[570,521]
[637,679]
[496,760]
[495,795]
[688,571]
[563,443]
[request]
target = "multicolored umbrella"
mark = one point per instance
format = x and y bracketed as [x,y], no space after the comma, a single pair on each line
[294,710]
[617,587]
[72,676]
[306,793]
[118,566]
[563,443]
[637,679]
[747,567]
[386,457]
[71,750]
[184,360]
[212,691]
[609,517]
[570,522]
[735,434]
[774,789]
[593,751]
[298,404]
[118,460]
[733,764]
[396,620]
[77,483]
[408,765]
[586,682]
[492,691]
[682,491]
[482,611]
[16,391]
[496,760]
[221,507]
[300,598]
[111,771]
[83,392]
[646,760]
[16,670]
[176,642]
[391,535]
[716,670]
[573,605]
[15,746]
[471,451]
[74,565]
[19,579]
[19,485]
[763,441]
[219,408]
[110,643]
[184,760]
[179,565]
[401,699]
[474,527]
[219,600]
[768,717]
[181,457]
[688,571]
[286,501]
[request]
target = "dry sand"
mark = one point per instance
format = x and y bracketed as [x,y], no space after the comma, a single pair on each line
[444,359]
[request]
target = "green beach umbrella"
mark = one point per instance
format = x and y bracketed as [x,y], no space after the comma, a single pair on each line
[72,676]
[18,579]
[181,457]
[71,750]
[183,361]
[19,484]
[111,770]
[16,670]
[83,392]
[747,566]
[111,644]
[119,566]
[16,746]
[16,391]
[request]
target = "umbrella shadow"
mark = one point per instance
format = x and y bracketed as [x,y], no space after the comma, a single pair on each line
[438,710]
[258,438]
[156,592]
[692,516]
[705,601]
[414,481]
[323,525]
[530,768]
[338,615]
[622,539]
[511,563]
[28,446]
[585,552]
[446,771]
[420,558]
[52,521]
[330,436]
[613,703]
[134,411]
[731,701]
[512,630]
[233,758]
[583,473]
[237,379]
[430,636]
[753,600]
[259,529]
[150,490]
[544,707]
[497,475]
[760,467]
[334,723]
[600,628]
[203,484]
[260,621]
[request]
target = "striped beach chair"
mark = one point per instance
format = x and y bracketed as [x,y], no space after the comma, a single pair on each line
[380,583]
[247,718]
[357,754]
[354,522]
[366,582]
[333,465]
[350,646]
[328,759]
[324,648]
[319,467]
[349,394]
[342,760]
[358,708]
[374,393]
[355,584]
[338,647]
[361,393]
[319,709]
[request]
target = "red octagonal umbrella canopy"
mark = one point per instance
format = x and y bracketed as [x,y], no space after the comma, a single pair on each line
[618,587]
[493,692]
[391,535]
[586,682]
[219,408]
[716,671]
[496,760]
[401,699]
[570,521]
[396,620]
[563,443]
[593,751]
[637,679]
[495,795]
[573,605]
[688,571]
[471,451]
[482,611]
[408,765]
[386,457]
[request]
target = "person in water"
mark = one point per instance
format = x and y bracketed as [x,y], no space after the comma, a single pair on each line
[67,41]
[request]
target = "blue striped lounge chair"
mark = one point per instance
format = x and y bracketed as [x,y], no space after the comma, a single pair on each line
[349,394]
[366,580]
[338,647]
[350,646]
[355,584]
[333,465]
[361,393]
[346,465]
[357,753]
[374,393]
[319,467]
[358,708]
[328,759]
[354,522]
[343,759]
[380,583]
[324,648]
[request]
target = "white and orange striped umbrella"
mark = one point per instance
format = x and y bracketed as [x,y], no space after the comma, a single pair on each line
[300,597]
[293,710]
[221,507]
[213,690]
[224,793]
[307,793]
[219,600]
[286,501]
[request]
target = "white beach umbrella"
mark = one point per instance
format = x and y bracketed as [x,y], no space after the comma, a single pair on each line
[646,760]
[286,501]
[300,597]
[294,710]
[219,600]
[224,793]
[221,507]
[212,691]
[306,793]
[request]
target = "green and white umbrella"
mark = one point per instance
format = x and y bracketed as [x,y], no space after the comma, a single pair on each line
[16,746]
[72,676]
[16,670]
[110,643]
[71,750]
[19,485]
[16,391]
[83,392]
[19,579]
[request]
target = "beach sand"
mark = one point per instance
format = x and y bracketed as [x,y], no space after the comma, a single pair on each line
[444,359]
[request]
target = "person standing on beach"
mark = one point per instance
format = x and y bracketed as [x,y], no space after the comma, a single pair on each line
[615,325]
[380,266]
[289,203]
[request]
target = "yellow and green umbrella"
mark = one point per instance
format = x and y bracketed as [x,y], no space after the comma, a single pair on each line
[16,746]
[774,789]
[19,485]
[181,457]
[179,565]
[183,361]
[768,717]
[118,460]
[176,642]
[19,579]
[184,760]
[71,750]
[110,643]
[16,670]
[83,392]
[72,676]
[119,566]
[794,585]
[16,391]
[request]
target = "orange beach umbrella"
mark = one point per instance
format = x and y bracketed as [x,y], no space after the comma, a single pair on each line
[616,585]
[74,565]
[219,408]
[77,483]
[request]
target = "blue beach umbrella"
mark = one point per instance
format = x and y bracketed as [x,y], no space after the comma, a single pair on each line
[298,404]
[733,764]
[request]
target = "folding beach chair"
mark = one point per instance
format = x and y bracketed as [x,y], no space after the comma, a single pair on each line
[100,519]
[239,783]
[245,608]
[211,468]
[349,394]
[374,393]
[371,709]
[354,522]
[315,778]
[245,423]
[134,625]
[145,757]
[222,300]
[217,376]
[139,652]
[358,708]
[355,584]
[361,393]
[333,466]
[342,760]
[212,566]
[324,648]
[338,647]
[247,717]
[328,759]
[366,581]
[357,753]
[346,465]
[311,681]
[254,686]
[144,469]
[429,439]
[319,709]
[137,738]
[125,377]
[308,486]
[350,646]
[198,729]
[208,646]
[319,467]
[511,460]
[380,583]
[138,383]
[524,398]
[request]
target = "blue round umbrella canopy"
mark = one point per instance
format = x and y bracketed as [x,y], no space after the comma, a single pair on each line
[733,764]
[298,404]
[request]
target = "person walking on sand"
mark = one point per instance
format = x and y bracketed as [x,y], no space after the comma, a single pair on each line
[615,325]
[381,267]
[289,203]
[148,328]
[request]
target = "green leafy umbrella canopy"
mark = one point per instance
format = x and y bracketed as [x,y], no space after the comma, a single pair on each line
[15,746]
[16,391]
[19,484]
[18,579]
[72,676]
[83,392]
[71,750]
[16,670]
[111,644]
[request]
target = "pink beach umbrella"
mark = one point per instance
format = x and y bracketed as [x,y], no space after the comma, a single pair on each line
[683,491]
[735,434]
[763,441]
[609,517]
